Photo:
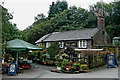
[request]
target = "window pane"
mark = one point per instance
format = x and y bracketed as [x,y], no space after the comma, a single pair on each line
[61,44]
[80,43]
[84,44]
[47,45]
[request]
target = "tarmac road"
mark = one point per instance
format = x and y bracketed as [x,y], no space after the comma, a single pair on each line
[44,71]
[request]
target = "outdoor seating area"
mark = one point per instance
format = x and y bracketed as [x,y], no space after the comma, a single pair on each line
[13,54]
[24,65]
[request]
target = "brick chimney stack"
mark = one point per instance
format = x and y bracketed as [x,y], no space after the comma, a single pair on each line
[101,21]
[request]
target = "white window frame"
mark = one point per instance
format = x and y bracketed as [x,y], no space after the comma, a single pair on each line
[79,56]
[48,44]
[61,44]
[82,44]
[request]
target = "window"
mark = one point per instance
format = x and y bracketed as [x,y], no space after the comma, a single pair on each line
[82,44]
[48,45]
[72,44]
[61,44]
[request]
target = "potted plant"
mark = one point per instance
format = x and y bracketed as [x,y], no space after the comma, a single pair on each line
[59,66]
[64,64]
[76,66]
[67,67]
[84,67]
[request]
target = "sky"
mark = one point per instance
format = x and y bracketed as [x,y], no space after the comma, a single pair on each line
[24,11]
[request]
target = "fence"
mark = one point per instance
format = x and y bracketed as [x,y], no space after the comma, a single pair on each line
[93,58]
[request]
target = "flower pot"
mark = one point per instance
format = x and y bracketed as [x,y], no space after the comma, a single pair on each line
[71,70]
[44,62]
[58,68]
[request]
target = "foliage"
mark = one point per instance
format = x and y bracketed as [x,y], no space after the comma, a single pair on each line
[31,55]
[53,49]
[46,60]
[9,30]
[64,63]
[81,61]
[43,56]
[57,7]
[10,60]
[69,50]
[111,12]
[113,30]
[117,43]
[43,47]
[70,19]
[58,63]
[83,67]
[39,17]
[62,18]
[76,64]
[44,27]
[73,18]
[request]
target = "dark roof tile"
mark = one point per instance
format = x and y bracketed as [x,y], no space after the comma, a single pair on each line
[71,35]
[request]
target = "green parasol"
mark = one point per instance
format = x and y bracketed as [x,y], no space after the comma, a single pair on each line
[20,45]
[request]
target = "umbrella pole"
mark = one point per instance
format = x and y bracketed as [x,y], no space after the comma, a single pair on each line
[17,58]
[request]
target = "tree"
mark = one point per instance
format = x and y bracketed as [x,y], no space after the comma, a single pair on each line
[9,30]
[70,19]
[111,12]
[62,18]
[57,7]
[53,49]
[113,30]
[39,30]
[39,17]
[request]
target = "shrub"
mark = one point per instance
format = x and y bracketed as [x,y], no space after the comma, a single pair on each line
[53,49]
[64,63]
[46,60]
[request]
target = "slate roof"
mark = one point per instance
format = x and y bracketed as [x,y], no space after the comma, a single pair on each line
[42,38]
[70,35]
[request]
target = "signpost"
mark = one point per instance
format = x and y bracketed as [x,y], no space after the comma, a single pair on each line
[12,70]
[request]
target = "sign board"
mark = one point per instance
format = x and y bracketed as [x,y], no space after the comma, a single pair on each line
[12,69]
[111,61]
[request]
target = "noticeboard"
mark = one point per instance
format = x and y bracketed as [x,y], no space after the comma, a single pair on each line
[12,69]
[111,61]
